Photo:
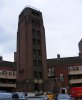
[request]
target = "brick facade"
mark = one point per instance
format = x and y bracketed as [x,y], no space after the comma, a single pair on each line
[31,51]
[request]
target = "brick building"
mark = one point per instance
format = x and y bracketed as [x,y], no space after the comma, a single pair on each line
[7,75]
[66,72]
[31,52]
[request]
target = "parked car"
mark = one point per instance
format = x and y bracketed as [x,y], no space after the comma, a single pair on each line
[19,95]
[37,98]
[63,97]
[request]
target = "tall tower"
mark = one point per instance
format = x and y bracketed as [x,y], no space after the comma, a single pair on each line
[31,52]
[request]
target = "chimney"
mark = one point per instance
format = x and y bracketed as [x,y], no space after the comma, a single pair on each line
[58,56]
[80,48]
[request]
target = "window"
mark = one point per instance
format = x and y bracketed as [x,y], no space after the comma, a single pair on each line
[34,62]
[10,72]
[75,68]
[33,33]
[34,41]
[49,71]
[34,51]
[37,25]
[14,72]
[0,72]
[38,33]
[76,77]
[53,70]
[61,77]
[80,67]
[4,72]
[38,52]
[70,68]
[1,81]
[38,42]
[40,74]
[39,63]
[35,74]
[33,24]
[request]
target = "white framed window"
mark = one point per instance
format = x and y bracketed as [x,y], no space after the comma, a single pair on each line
[10,73]
[4,72]
[80,67]
[0,72]
[14,72]
[61,77]
[70,68]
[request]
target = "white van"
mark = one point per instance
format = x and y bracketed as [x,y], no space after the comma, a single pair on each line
[5,95]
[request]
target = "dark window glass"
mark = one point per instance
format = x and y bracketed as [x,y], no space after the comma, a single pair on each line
[38,42]
[34,51]
[34,41]
[33,23]
[33,33]
[34,63]
[35,74]
[39,63]
[40,75]
[38,52]
[38,33]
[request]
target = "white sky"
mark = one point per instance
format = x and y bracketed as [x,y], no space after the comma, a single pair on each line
[62,22]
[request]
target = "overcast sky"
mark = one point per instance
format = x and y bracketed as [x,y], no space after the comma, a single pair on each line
[62,22]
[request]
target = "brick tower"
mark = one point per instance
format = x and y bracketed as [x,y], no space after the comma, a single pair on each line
[31,52]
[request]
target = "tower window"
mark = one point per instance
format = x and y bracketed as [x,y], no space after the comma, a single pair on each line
[39,63]
[38,52]
[34,51]
[38,33]
[34,63]
[35,74]
[40,74]
[34,41]
[38,42]
[33,24]
[33,33]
